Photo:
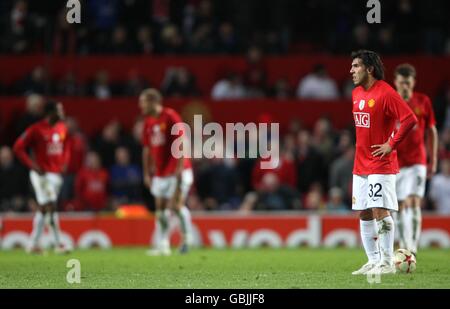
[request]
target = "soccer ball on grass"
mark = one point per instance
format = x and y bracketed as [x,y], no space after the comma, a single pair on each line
[405,261]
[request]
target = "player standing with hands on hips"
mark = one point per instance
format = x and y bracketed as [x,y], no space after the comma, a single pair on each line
[376,109]
[47,140]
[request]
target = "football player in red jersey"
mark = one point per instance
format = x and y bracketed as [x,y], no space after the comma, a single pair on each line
[376,109]
[169,179]
[47,140]
[412,158]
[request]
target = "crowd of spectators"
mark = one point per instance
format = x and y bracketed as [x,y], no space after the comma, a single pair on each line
[315,172]
[178,81]
[223,27]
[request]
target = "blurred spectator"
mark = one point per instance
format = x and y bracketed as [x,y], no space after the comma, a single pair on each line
[69,86]
[226,42]
[314,199]
[37,82]
[310,163]
[341,173]
[202,41]
[439,188]
[386,44]
[441,107]
[228,88]
[317,85]
[119,42]
[347,89]
[344,143]
[273,44]
[179,82]
[255,74]
[107,142]
[125,178]
[103,13]
[91,185]
[100,87]
[217,181]
[34,109]
[209,26]
[144,40]
[361,37]
[171,40]
[281,90]
[284,172]
[134,142]
[134,84]
[18,38]
[444,143]
[13,183]
[336,201]
[274,196]
[322,138]
[65,36]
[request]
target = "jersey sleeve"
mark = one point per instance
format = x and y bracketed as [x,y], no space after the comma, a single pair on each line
[21,145]
[396,108]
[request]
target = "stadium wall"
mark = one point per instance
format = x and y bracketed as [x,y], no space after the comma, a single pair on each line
[216,230]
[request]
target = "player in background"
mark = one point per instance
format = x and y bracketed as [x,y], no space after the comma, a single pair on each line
[47,140]
[169,179]
[376,109]
[412,158]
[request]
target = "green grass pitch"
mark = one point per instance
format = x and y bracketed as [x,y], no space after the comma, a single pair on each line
[212,268]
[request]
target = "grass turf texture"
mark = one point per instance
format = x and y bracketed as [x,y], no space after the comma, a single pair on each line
[210,268]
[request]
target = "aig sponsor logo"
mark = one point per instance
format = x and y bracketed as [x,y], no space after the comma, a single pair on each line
[362,119]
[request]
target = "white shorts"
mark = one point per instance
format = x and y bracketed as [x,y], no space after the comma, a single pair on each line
[46,187]
[164,187]
[374,191]
[411,181]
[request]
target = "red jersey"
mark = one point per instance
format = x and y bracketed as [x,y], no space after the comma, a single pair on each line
[91,187]
[412,149]
[158,138]
[375,113]
[48,145]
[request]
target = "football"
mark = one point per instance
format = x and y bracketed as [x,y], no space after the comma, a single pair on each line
[405,261]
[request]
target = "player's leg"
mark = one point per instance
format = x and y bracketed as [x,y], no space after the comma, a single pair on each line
[182,211]
[53,186]
[399,217]
[416,206]
[367,224]
[162,228]
[406,217]
[37,182]
[416,223]
[382,200]
[38,227]
[161,235]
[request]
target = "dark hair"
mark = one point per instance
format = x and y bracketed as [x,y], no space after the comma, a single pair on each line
[405,70]
[50,108]
[370,59]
